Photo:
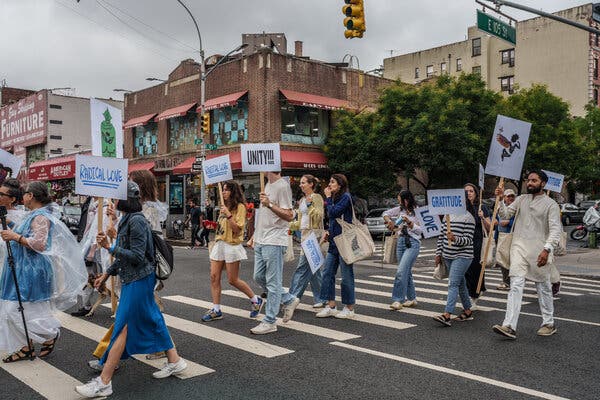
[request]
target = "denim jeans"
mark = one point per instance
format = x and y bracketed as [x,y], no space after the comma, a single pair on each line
[457,284]
[268,273]
[332,261]
[404,287]
[302,276]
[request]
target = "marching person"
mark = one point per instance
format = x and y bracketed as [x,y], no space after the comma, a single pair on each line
[228,252]
[309,220]
[139,326]
[208,217]
[536,233]
[11,194]
[194,217]
[505,226]
[402,221]
[339,205]
[43,249]
[455,248]
[270,243]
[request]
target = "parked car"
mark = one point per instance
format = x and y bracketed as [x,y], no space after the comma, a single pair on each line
[586,204]
[70,216]
[374,222]
[571,214]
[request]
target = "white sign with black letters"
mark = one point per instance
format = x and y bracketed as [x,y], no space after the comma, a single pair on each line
[447,201]
[430,224]
[261,157]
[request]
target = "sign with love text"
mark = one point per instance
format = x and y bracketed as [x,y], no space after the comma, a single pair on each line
[217,169]
[101,176]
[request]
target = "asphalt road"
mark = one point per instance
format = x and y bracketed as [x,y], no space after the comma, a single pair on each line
[381,354]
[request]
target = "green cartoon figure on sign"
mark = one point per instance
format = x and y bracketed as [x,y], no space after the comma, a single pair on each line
[109,136]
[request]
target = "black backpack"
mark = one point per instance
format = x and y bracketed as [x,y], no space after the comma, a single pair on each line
[163,256]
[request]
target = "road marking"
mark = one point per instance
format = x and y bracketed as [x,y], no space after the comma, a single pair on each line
[295,325]
[95,332]
[44,378]
[564,279]
[445,370]
[227,338]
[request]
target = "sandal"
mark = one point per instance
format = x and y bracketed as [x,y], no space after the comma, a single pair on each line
[464,316]
[20,355]
[48,347]
[443,320]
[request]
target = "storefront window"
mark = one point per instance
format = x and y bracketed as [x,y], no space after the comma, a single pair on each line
[176,197]
[35,153]
[230,124]
[304,125]
[144,140]
[183,133]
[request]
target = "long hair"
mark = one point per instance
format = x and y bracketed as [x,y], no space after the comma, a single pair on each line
[131,205]
[407,195]
[14,189]
[39,191]
[236,197]
[343,182]
[476,190]
[312,180]
[147,183]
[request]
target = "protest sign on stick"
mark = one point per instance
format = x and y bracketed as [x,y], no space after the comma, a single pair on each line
[430,224]
[555,181]
[481,184]
[218,170]
[261,157]
[446,202]
[10,165]
[312,252]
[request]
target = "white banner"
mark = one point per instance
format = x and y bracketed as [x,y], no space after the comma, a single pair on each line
[10,165]
[431,224]
[101,176]
[446,201]
[507,150]
[481,177]
[107,129]
[217,169]
[261,157]
[312,251]
[555,181]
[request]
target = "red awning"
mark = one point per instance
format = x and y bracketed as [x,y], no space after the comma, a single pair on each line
[52,169]
[235,158]
[228,100]
[303,160]
[314,101]
[174,112]
[185,167]
[142,166]
[138,121]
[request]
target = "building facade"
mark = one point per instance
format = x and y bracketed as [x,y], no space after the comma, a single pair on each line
[9,95]
[549,52]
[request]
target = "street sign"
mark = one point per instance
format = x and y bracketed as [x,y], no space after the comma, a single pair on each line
[212,146]
[495,27]
[197,141]
[196,167]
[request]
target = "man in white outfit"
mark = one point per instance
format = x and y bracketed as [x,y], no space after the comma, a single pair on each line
[536,234]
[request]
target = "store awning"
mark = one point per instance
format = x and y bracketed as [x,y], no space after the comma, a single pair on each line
[303,160]
[185,167]
[228,100]
[142,166]
[138,121]
[235,158]
[174,112]
[52,169]
[314,101]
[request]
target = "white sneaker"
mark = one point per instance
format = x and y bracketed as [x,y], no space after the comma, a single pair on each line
[288,310]
[474,302]
[171,369]
[410,303]
[264,328]
[396,306]
[327,312]
[320,304]
[94,388]
[346,313]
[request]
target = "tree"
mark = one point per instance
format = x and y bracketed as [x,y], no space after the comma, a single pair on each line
[587,167]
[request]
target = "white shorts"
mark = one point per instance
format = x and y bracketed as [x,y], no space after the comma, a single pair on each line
[230,253]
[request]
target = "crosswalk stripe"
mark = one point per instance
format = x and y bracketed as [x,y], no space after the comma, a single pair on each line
[44,378]
[95,332]
[358,317]
[295,325]
[563,278]
[227,338]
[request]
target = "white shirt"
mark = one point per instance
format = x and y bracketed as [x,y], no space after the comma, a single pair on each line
[270,229]
[398,212]
[305,219]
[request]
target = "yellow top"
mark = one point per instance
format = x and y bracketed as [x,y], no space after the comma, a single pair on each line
[224,231]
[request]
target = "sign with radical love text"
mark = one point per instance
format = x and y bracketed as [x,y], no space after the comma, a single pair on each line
[312,252]
[101,176]
[555,181]
[507,150]
[261,157]
[446,201]
[431,224]
[217,169]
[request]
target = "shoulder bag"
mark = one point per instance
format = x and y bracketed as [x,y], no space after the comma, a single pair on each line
[355,242]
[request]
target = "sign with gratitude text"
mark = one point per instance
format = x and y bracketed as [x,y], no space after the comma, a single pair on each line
[101,176]
[312,252]
[446,201]
[217,169]
[431,224]
[261,157]
[555,181]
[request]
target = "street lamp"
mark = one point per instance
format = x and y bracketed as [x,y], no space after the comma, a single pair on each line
[122,90]
[155,79]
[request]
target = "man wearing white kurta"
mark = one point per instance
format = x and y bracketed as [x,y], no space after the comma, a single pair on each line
[537,232]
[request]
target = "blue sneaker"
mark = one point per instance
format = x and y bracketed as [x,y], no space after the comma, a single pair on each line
[212,315]
[256,307]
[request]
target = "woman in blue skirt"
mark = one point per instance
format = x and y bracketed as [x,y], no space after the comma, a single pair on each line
[139,325]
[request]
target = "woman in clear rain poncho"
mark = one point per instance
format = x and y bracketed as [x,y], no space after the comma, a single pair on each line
[50,273]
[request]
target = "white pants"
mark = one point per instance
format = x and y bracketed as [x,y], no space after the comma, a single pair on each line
[515,299]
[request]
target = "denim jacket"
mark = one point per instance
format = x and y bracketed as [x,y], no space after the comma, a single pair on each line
[134,249]
[340,208]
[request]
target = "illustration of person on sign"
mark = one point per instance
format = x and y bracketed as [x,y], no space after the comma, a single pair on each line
[109,136]
[509,145]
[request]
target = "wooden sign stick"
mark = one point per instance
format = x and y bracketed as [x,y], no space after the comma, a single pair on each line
[448,229]
[480,198]
[262,182]
[489,238]
[221,194]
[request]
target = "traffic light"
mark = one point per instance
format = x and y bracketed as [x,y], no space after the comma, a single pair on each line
[205,123]
[355,18]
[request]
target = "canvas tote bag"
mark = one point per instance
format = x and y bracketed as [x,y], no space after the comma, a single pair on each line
[355,242]
[389,249]
[504,244]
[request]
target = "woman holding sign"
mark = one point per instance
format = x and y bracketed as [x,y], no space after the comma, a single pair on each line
[228,251]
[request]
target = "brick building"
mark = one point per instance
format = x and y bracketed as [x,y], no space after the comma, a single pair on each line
[262,95]
[9,95]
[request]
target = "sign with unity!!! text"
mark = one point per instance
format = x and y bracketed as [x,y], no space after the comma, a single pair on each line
[555,181]
[261,157]
[101,176]
[313,253]
[431,224]
[507,150]
[107,129]
[446,201]
[217,169]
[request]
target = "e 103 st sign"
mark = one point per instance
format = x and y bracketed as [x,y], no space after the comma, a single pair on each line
[495,27]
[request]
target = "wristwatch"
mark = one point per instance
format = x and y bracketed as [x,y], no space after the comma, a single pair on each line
[270,205]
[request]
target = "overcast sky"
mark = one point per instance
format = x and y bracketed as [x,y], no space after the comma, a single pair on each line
[62,43]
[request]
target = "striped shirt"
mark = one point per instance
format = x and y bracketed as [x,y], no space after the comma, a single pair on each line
[463,228]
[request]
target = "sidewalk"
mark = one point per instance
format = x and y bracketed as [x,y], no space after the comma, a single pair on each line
[580,262]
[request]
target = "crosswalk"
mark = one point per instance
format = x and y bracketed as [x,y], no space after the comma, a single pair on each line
[373,292]
[425,252]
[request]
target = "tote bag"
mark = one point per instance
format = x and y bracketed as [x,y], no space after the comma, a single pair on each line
[355,242]
[491,256]
[440,271]
[389,249]
[504,244]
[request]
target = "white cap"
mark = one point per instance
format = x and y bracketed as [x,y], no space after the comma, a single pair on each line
[509,192]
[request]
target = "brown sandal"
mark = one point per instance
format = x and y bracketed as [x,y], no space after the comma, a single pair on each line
[48,347]
[20,355]
[464,316]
